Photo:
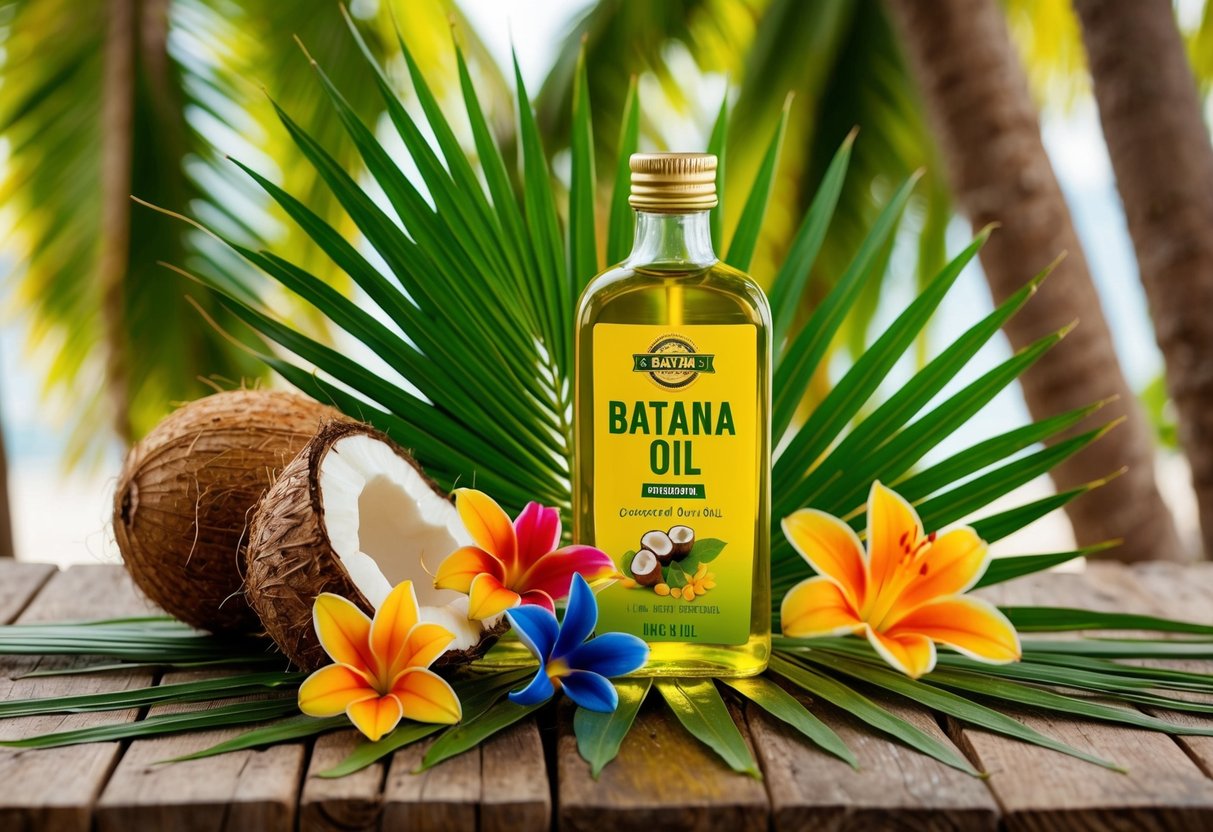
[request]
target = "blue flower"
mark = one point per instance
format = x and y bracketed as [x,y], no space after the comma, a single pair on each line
[567,660]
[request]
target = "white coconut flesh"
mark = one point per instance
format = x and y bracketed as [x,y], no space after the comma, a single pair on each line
[387,524]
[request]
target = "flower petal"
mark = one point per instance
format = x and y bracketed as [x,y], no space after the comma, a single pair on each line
[949,566]
[488,525]
[553,572]
[462,566]
[427,697]
[590,690]
[330,690]
[488,597]
[893,525]
[580,618]
[375,717]
[424,643]
[536,628]
[610,654]
[537,531]
[393,621]
[539,690]
[910,653]
[539,598]
[971,626]
[817,607]
[344,631]
[832,548]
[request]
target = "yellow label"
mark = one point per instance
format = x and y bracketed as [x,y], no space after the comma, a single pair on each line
[676,444]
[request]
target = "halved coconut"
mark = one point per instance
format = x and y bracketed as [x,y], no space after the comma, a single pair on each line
[683,539]
[659,543]
[645,568]
[354,515]
[183,499]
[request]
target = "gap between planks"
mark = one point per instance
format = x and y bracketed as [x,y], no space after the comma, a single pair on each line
[54,789]
[1042,789]
[502,786]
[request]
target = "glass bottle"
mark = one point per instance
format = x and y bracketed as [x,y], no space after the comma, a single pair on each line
[672,433]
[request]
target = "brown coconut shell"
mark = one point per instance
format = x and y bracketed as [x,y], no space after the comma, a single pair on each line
[289,560]
[187,490]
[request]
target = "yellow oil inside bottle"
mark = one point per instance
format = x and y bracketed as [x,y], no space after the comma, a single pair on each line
[672,436]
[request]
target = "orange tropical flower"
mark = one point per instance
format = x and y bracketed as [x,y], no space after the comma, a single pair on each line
[904,593]
[381,672]
[514,563]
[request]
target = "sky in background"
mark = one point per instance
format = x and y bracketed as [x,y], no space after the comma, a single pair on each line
[65,517]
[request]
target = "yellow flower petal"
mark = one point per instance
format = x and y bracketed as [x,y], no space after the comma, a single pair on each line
[910,653]
[893,530]
[488,525]
[949,566]
[330,690]
[831,547]
[344,632]
[393,621]
[425,643]
[375,717]
[488,597]
[817,607]
[463,565]
[427,697]
[971,626]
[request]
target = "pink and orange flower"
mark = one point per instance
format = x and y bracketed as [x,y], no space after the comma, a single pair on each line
[905,593]
[514,563]
[381,672]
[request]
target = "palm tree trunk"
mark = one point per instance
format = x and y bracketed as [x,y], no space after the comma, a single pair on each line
[1160,151]
[117,114]
[977,97]
[7,544]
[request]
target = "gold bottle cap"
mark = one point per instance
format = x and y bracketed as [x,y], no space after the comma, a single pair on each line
[673,183]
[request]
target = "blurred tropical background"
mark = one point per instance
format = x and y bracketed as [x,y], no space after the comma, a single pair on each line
[1029,113]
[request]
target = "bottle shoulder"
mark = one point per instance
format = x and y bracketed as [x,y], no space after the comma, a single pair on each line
[645,294]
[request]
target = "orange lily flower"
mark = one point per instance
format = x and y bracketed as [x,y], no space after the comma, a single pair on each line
[904,593]
[514,563]
[381,672]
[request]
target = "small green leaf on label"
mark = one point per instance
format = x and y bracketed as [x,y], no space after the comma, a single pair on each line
[706,550]
[626,564]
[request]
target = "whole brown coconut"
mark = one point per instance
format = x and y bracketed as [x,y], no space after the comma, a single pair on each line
[187,490]
[354,515]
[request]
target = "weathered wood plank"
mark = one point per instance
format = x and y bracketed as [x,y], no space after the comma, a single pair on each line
[894,788]
[441,798]
[232,792]
[343,804]
[54,789]
[516,794]
[18,583]
[1183,592]
[663,778]
[1040,789]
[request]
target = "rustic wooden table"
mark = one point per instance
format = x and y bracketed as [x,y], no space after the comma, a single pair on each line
[531,776]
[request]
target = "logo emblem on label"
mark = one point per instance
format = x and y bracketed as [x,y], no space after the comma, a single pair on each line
[672,362]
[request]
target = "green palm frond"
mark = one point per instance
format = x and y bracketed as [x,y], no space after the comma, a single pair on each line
[146,98]
[101,116]
[473,305]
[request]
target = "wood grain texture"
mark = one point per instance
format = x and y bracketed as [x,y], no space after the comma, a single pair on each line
[54,789]
[663,779]
[253,789]
[18,583]
[516,795]
[1041,789]
[444,797]
[894,788]
[343,804]
[1178,592]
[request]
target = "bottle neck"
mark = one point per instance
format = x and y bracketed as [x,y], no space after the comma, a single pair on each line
[672,239]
